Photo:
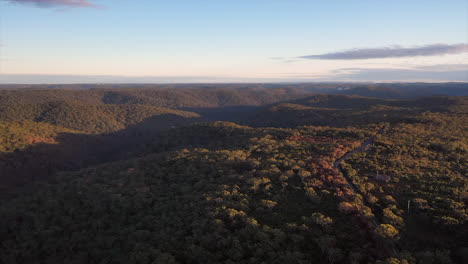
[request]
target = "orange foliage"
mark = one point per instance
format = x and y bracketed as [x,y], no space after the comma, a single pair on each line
[347,208]
[34,140]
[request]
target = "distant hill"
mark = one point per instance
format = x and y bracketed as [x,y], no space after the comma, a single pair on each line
[350,110]
[376,92]
[190,97]
[213,95]
[403,91]
[86,117]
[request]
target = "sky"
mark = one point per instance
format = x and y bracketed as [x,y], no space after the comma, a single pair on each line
[77,41]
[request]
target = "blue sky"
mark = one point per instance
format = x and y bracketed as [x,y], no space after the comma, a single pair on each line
[224,40]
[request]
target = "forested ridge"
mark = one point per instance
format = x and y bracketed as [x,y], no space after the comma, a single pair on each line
[89,118]
[146,175]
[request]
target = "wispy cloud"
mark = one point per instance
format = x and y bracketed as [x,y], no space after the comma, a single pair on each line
[83,79]
[424,73]
[56,3]
[391,52]
[444,67]
[442,72]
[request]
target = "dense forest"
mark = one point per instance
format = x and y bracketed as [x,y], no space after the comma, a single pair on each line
[233,174]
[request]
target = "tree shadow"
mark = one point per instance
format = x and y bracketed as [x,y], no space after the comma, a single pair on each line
[40,162]
[23,170]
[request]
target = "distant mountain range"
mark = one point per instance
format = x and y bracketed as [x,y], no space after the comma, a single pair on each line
[404,91]
[377,90]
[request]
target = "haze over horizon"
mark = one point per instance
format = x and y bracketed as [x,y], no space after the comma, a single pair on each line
[78,41]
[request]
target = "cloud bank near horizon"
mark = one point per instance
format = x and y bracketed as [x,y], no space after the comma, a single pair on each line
[401,75]
[431,73]
[55,3]
[391,52]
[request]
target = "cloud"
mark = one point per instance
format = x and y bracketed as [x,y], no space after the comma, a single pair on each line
[391,52]
[83,79]
[423,73]
[436,73]
[449,72]
[444,67]
[56,3]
